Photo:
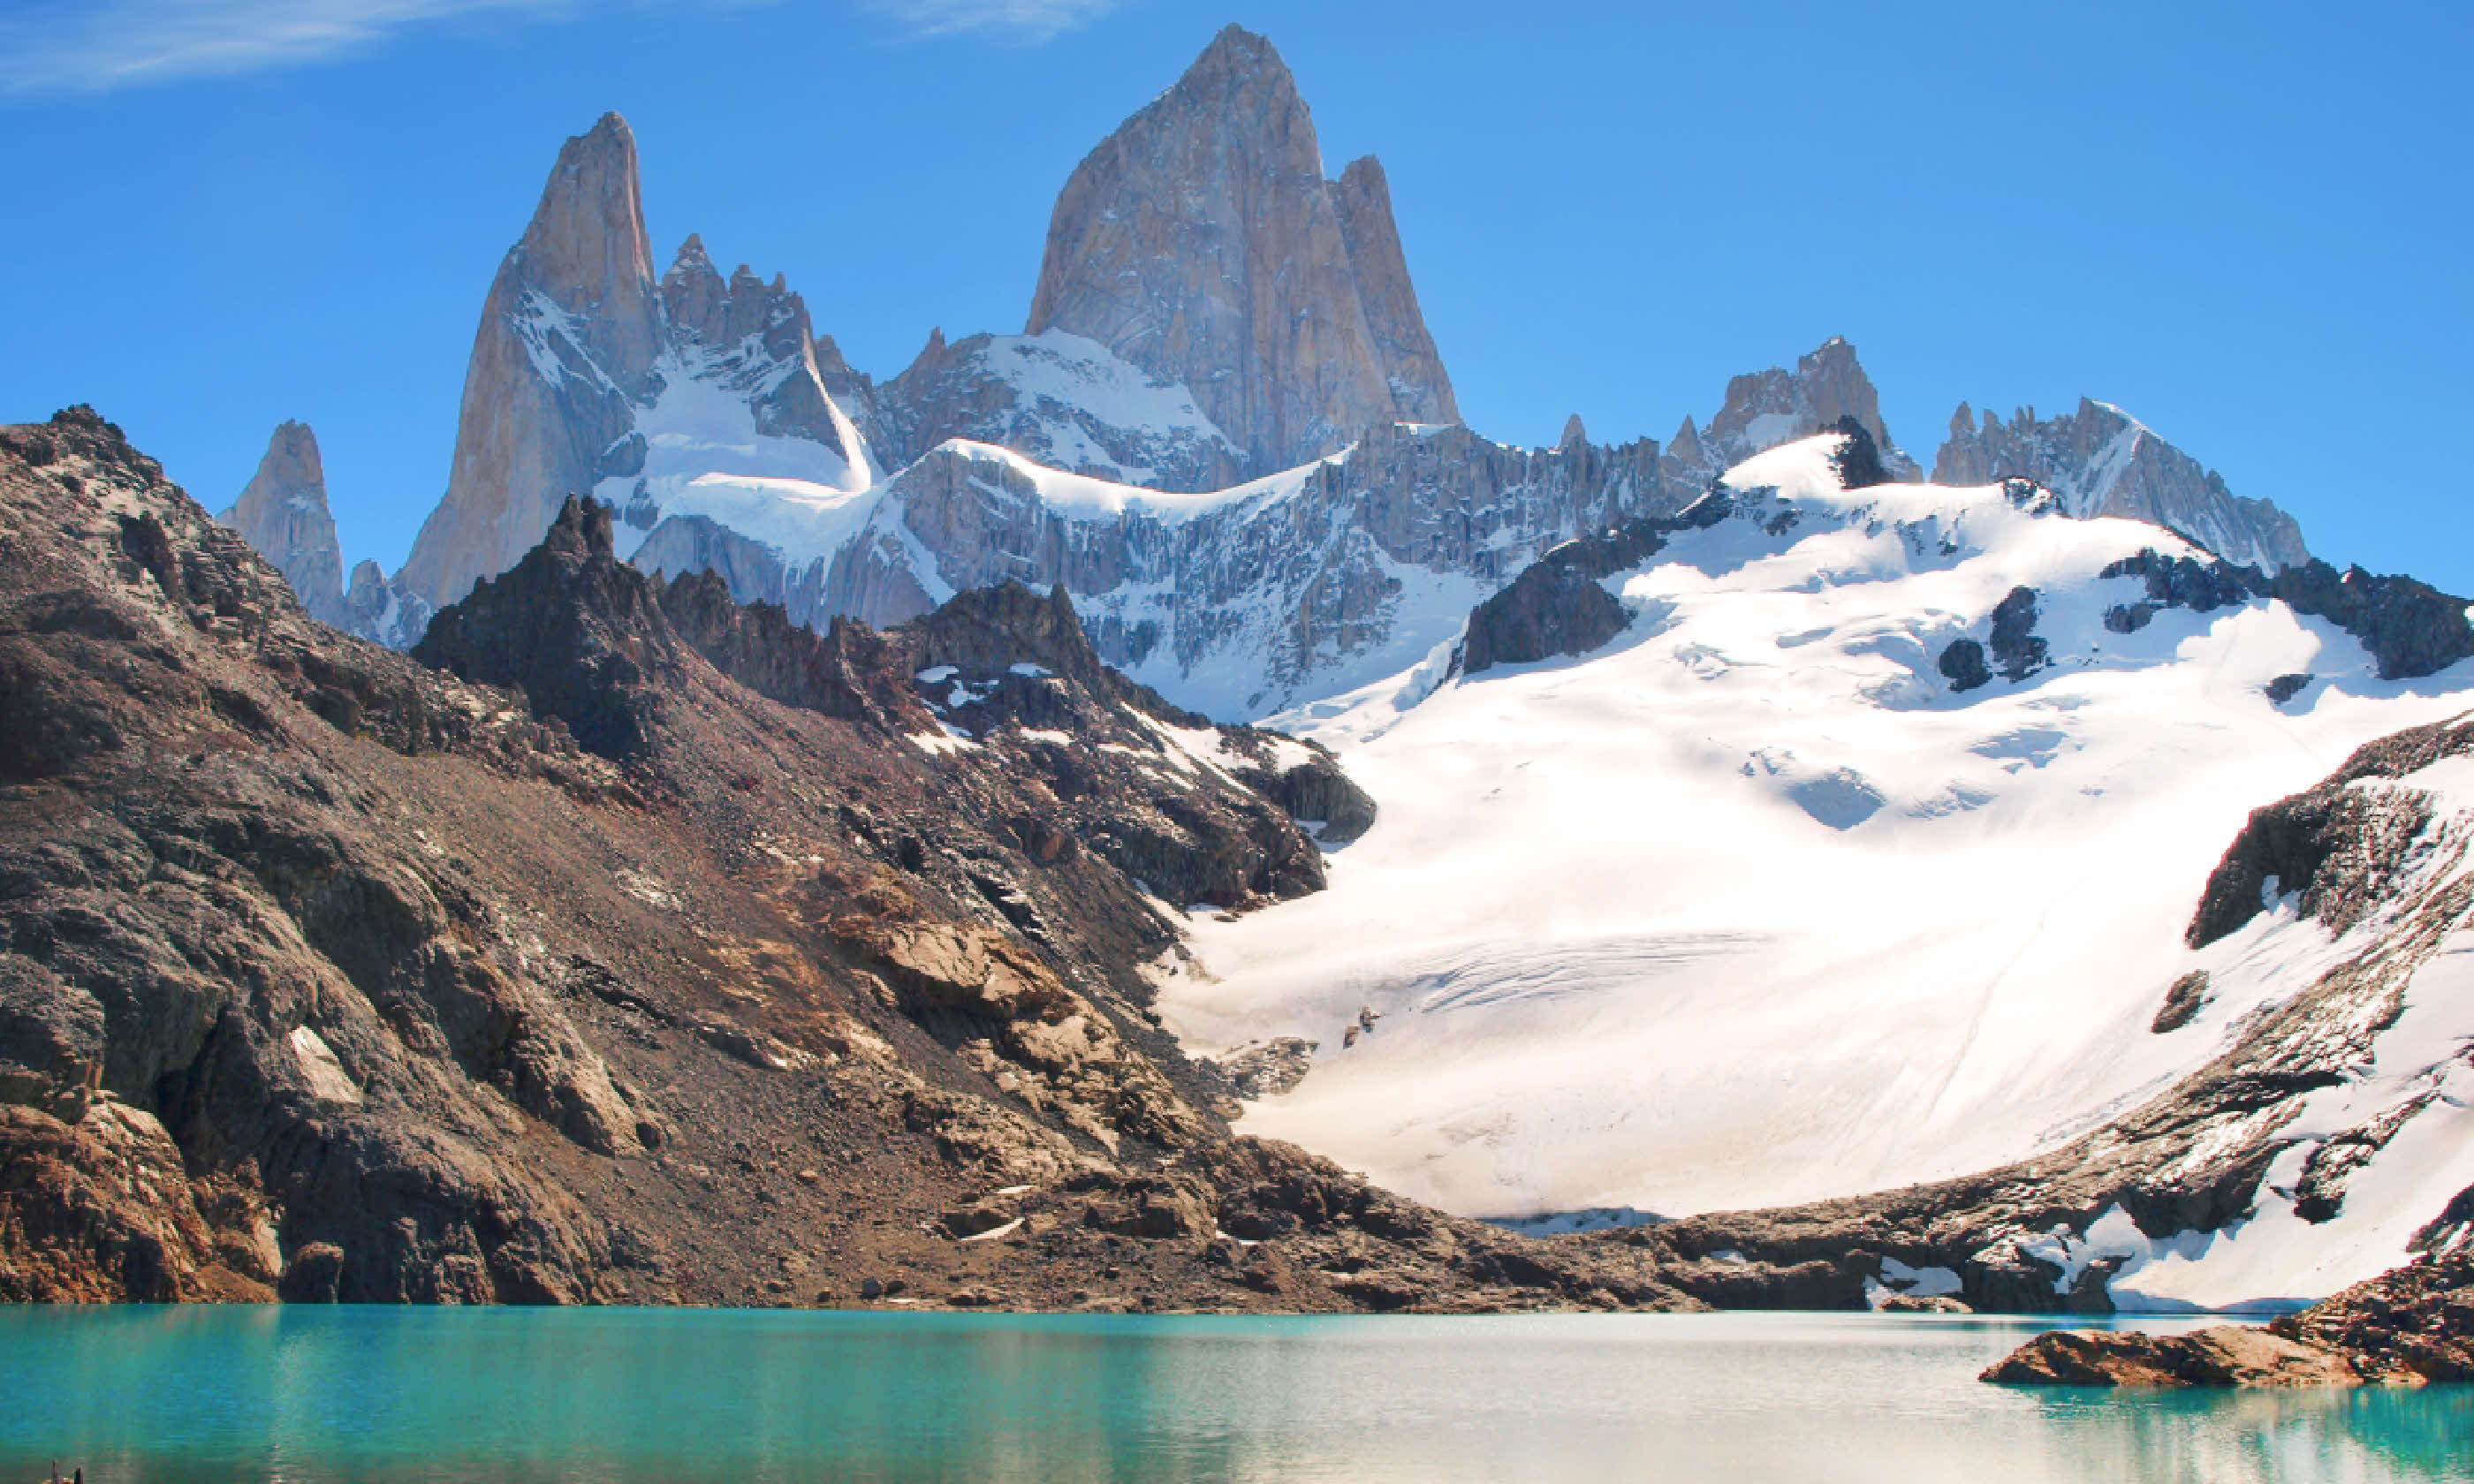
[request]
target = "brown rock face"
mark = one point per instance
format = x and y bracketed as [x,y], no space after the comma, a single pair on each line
[284,513]
[2226,1356]
[2408,1326]
[1201,243]
[701,958]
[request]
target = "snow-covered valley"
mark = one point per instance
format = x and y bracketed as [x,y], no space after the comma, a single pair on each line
[1749,908]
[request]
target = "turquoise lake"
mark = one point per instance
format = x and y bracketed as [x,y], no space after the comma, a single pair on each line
[409,1395]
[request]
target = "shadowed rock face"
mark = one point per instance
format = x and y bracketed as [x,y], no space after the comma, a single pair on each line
[1201,243]
[2412,628]
[2333,842]
[1558,606]
[328,975]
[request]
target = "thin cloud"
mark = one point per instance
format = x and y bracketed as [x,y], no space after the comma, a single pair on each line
[89,46]
[1008,20]
[95,46]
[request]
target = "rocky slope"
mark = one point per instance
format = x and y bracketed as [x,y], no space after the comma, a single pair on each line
[678,954]
[2103,461]
[1201,243]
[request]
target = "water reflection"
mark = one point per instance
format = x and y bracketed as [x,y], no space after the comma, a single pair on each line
[628,1397]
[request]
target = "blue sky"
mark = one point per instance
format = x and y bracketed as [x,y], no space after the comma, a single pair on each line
[2245,224]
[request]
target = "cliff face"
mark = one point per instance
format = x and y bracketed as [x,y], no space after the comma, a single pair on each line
[564,352]
[1421,389]
[1201,243]
[284,513]
[2103,461]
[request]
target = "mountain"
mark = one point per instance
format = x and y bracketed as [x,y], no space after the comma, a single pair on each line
[282,512]
[1201,243]
[590,374]
[638,946]
[1226,434]
[2103,461]
[1768,408]
[1892,804]
[1062,402]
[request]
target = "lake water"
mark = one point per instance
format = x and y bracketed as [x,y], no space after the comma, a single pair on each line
[413,1396]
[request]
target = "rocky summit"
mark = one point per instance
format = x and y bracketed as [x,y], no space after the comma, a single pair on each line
[1202,243]
[2103,461]
[284,513]
[584,358]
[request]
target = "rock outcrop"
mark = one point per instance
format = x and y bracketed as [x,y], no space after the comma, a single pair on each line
[1201,243]
[283,512]
[1558,604]
[2411,1326]
[2336,844]
[2102,461]
[579,354]
[1765,409]
[2412,628]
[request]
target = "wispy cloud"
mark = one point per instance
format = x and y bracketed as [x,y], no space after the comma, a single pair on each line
[61,46]
[1009,20]
[92,46]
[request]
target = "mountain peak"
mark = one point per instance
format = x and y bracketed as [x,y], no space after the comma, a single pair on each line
[2102,460]
[282,512]
[1200,242]
[1764,409]
[1237,52]
[588,231]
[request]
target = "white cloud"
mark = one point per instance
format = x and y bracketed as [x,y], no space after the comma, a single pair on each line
[92,46]
[99,45]
[1016,20]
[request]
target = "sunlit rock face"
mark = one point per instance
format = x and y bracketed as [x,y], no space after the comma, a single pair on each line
[1202,243]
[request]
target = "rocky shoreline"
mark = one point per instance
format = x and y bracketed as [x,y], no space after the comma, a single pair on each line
[2410,1327]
